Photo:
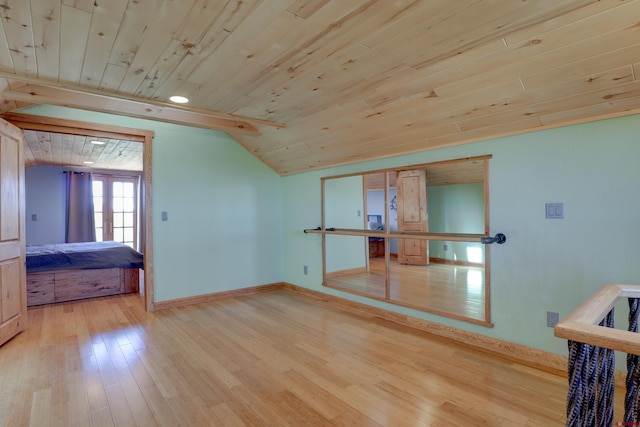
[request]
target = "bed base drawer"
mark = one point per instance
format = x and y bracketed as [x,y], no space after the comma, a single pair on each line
[40,288]
[69,285]
[82,284]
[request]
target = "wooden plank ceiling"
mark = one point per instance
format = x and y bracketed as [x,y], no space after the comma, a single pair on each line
[307,84]
[56,149]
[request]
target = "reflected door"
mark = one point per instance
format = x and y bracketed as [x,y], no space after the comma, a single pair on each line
[412,215]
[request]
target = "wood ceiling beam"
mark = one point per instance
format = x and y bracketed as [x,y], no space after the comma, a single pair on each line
[76,97]
[74,127]
[38,94]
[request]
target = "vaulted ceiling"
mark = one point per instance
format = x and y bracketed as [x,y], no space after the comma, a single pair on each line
[307,84]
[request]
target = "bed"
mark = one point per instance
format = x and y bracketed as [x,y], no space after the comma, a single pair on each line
[72,271]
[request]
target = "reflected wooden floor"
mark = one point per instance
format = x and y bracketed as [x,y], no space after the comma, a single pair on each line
[276,358]
[457,290]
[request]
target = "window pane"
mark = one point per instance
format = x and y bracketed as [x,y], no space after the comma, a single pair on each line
[128,204]
[117,204]
[118,234]
[128,219]
[117,189]
[117,219]
[128,234]
[128,189]
[97,188]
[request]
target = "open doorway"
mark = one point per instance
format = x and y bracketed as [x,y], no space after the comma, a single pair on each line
[69,131]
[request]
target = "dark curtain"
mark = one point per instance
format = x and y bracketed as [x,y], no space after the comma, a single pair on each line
[80,224]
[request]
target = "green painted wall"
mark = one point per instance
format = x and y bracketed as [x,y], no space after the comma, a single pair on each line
[234,223]
[545,265]
[224,207]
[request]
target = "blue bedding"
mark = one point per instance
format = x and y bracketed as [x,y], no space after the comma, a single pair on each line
[82,256]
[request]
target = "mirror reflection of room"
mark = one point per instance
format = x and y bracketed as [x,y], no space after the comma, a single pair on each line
[446,277]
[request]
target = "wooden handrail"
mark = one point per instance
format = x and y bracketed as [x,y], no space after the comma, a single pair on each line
[582,325]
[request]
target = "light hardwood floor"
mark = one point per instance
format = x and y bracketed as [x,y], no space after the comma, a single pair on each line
[274,358]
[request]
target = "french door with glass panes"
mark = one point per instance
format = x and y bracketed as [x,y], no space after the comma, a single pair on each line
[115,204]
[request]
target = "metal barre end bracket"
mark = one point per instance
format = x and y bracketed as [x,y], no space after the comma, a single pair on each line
[314,229]
[498,238]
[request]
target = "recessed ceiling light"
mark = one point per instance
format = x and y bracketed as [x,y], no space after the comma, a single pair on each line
[87,162]
[179,99]
[98,143]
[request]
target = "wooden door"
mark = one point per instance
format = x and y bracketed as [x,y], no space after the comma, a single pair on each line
[13,289]
[411,187]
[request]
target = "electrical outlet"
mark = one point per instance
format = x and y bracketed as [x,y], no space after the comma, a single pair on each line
[306,270]
[446,247]
[552,319]
[164,216]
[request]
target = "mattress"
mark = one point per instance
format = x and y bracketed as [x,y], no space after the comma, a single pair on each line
[82,256]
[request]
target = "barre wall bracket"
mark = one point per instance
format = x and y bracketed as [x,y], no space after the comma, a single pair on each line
[306,230]
[498,238]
